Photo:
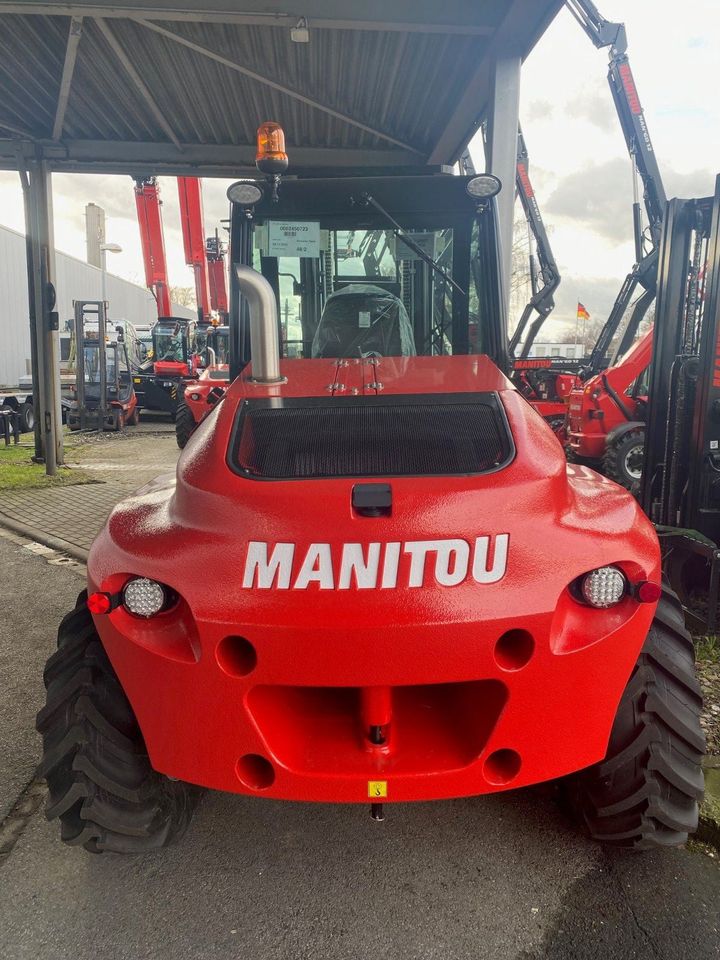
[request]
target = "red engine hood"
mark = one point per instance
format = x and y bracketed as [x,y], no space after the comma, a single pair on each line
[171,368]
[372,376]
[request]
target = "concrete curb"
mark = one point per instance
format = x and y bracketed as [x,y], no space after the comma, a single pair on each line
[55,543]
[709,829]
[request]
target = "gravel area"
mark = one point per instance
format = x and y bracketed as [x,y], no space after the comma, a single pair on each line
[709,676]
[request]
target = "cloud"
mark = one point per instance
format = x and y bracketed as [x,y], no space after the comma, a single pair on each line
[598,197]
[594,108]
[114,194]
[697,183]
[598,295]
[541,109]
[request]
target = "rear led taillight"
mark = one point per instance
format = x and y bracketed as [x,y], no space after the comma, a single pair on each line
[144,598]
[648,592]
[99,603]
[601,588]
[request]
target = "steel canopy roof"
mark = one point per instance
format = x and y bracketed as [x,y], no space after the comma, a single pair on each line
[178,86]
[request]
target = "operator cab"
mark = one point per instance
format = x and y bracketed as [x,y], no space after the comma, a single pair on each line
[170,340]
[373,266]
[118,379]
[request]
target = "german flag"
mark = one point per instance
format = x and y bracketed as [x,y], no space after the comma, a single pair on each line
[582,313]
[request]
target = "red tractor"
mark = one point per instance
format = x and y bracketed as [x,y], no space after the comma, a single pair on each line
[382,626]
[201,395]
[176,358]
[606,418]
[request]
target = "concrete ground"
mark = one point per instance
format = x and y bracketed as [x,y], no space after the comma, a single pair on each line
[499,877]
[70,516]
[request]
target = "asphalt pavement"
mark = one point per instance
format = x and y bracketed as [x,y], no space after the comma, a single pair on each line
[495,877]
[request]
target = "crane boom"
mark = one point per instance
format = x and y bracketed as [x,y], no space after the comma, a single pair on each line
[148,204]
[193,231]
[603,34]
[542,300]
[215,250]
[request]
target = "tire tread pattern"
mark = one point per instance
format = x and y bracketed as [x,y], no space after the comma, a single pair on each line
[611,466]
[645,793]
[101,784]
[184,424]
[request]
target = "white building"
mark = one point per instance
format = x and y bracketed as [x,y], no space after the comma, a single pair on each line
[570,351]
[76,280]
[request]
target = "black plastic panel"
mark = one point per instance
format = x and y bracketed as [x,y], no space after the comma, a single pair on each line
[457,434]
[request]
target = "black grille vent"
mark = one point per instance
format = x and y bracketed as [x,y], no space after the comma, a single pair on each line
[371,437]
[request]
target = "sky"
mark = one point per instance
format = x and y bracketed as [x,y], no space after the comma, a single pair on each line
[578,161]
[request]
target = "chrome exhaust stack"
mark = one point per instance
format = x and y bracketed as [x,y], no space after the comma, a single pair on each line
[264,337]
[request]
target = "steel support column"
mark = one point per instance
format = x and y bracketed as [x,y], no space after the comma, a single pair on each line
[44,337]
[502,131]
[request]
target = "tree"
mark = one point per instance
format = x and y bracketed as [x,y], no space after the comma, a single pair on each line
[183,296]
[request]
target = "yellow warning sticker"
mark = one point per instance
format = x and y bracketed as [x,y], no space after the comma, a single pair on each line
[377,789]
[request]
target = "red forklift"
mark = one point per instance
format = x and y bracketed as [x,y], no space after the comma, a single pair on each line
[409,484]
[607,407]
[104,398]
[201,395]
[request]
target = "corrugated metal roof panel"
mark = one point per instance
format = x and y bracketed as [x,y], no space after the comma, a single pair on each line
[357,89]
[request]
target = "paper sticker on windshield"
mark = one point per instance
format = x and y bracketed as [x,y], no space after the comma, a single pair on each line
[408,251]
[293,238]
[364,318]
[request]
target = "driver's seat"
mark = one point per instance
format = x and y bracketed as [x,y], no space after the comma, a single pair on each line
[360,320]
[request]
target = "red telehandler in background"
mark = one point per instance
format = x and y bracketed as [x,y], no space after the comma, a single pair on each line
[606,414]
[216,251]
[201,395]
[207,257]
[159,383]
[545,382]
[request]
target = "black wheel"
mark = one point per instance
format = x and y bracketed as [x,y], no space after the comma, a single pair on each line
[645,793]
[556,424]
[184,424]
[572,457]
[6,408]
[27,417]
[134,420]
[623,459]
[102,787]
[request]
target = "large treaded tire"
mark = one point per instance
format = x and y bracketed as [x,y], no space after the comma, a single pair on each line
[184,424]
[27,417]
[101,784]
[615,459]
[645,793]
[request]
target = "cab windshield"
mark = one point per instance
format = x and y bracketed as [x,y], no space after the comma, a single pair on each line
[388,266]
[169,345]
[354,293]
[91,364]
